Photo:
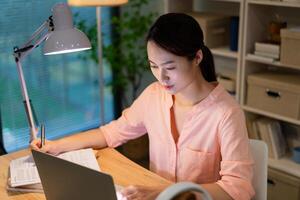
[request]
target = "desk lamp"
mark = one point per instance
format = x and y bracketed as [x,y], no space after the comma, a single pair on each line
[98,4]
[60,37]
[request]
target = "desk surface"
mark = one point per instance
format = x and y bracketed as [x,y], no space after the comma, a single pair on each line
[124,172]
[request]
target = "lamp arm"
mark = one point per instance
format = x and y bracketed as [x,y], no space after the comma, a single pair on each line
[27,50]
[21,53]
[36,33]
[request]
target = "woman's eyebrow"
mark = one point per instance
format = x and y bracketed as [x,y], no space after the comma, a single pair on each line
[164,63]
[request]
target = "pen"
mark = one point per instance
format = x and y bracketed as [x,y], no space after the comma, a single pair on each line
[42,135]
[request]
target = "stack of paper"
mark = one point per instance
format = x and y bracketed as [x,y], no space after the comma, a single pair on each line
[24,175]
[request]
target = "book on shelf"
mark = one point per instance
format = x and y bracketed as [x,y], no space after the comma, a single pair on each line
[264,134]
[260,58]
[267,54]
[277,139]
[255,131]
[24,177]
[267,47]
[270,132]
[252,128]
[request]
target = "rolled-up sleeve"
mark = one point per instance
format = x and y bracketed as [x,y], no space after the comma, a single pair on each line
[237,162]
[130,125]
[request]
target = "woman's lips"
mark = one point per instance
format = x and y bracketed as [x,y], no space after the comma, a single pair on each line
[168,87]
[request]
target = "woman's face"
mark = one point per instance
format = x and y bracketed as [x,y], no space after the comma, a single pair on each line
[174,73]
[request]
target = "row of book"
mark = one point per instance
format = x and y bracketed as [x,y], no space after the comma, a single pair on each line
[270,131]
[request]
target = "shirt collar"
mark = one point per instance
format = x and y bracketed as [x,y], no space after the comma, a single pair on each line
[212,97]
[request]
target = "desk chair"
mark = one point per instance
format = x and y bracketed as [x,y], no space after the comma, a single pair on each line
[259,151]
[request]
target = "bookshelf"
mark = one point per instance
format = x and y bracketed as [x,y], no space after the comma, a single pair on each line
[254,15]
[258,14]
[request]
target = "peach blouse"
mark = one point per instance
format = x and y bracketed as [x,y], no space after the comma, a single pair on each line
[213,146]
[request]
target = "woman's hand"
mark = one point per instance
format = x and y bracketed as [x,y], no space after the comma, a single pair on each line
[52,147]
[138,192]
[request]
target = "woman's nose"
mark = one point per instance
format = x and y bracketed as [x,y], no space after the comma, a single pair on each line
[163,76]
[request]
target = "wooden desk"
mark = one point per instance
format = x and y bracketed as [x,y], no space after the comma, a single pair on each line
[124,172]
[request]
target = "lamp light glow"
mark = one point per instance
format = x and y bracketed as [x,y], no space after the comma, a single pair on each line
[66,51]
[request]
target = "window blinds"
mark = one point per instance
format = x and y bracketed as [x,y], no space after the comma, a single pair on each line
[64,89]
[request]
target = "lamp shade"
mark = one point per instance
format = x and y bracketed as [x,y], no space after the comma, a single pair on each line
[96,2]
[64,38]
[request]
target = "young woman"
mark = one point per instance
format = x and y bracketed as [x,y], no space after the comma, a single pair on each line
[196,129]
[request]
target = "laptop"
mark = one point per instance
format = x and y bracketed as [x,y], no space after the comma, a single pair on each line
[64,180]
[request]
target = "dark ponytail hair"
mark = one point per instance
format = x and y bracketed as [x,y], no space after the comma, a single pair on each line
[180,34]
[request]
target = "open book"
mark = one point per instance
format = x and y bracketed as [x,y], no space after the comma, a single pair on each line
[23,174]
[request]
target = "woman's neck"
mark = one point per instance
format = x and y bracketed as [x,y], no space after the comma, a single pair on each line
[193,93]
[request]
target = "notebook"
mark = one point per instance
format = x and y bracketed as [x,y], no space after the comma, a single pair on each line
[64,180]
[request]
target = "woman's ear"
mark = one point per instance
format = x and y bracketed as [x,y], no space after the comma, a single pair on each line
[198,57]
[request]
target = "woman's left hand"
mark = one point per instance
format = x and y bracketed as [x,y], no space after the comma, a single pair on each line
[137,192]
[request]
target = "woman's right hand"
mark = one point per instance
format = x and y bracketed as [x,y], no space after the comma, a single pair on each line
[52,147]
